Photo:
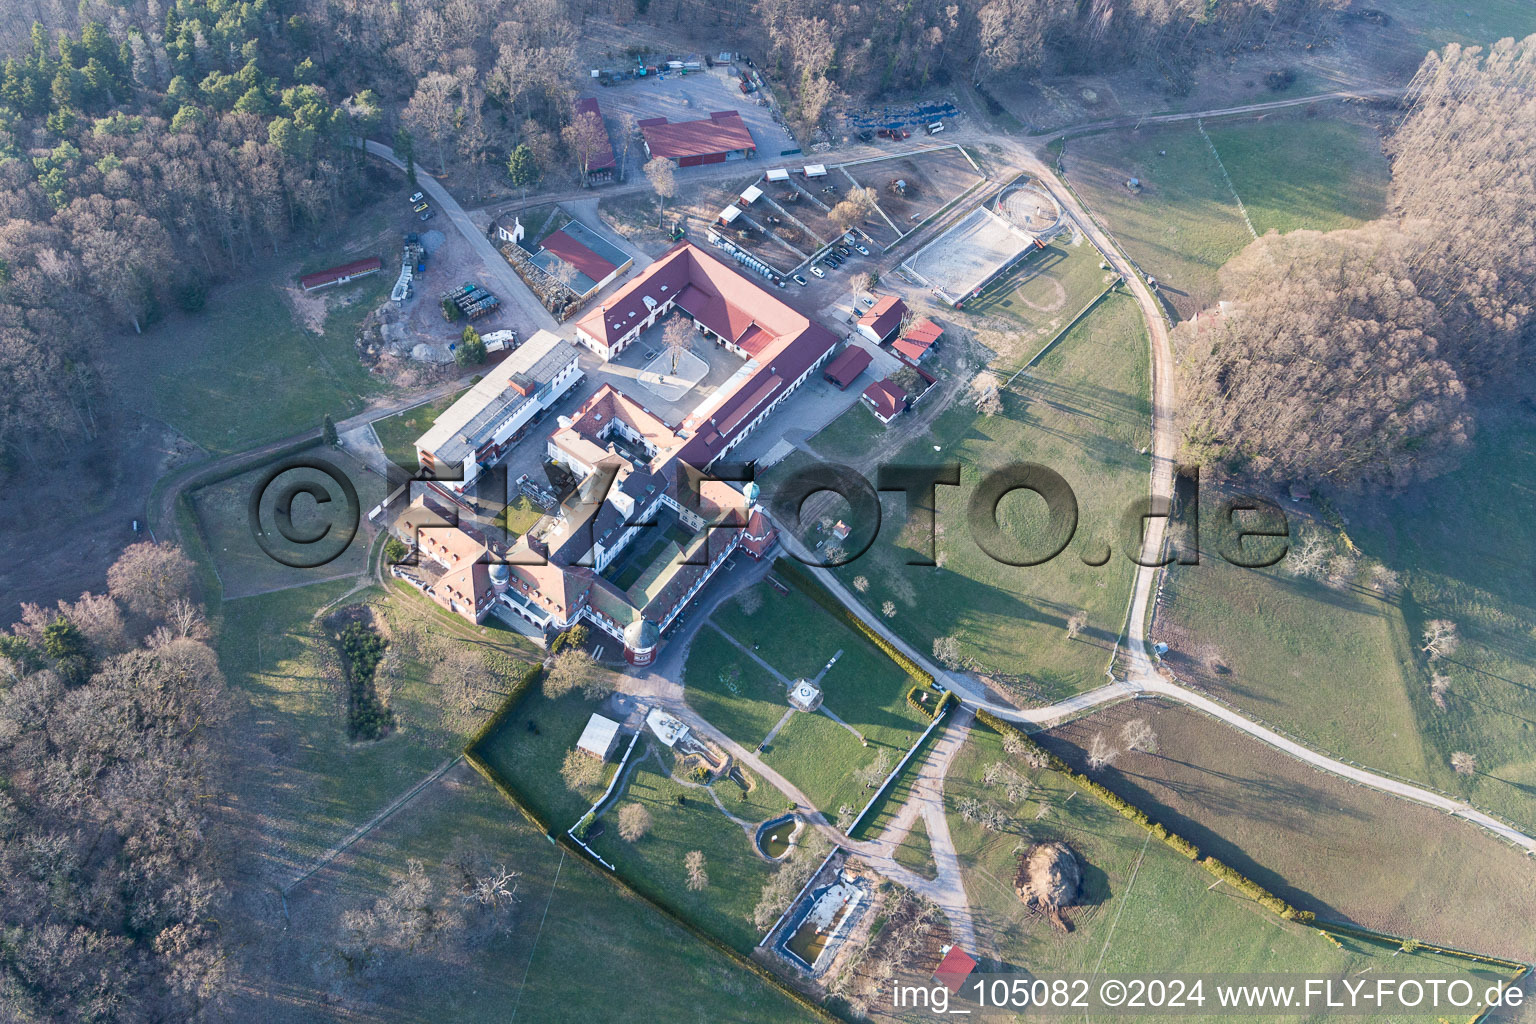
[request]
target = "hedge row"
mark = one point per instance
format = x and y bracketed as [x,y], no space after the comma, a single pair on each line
[1127,810]
[1365,933]
[816,1010]
[532,674]
[816,592]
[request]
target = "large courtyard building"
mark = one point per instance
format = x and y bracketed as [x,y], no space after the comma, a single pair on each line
[644,530]
[493,415]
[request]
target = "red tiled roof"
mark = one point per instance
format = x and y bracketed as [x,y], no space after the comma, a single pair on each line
[603,158]
[956,966]
[909,349]
[887,397]
[345,270]
[723,131]
[846,368]
[884,315]
[759,534]
[578,256]
[925,332]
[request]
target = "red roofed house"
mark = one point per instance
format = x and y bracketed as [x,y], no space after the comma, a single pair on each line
[956,966]
[596,261]
[886,399]
[919,341]
[600,161]
[845,369]
[341,275]
[721,136]
[882,319]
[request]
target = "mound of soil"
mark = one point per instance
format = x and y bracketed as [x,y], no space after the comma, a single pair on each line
[1049,878]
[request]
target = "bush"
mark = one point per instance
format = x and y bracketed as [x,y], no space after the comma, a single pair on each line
[395,550]
[368,718]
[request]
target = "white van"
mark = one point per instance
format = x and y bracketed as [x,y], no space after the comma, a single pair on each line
[935,127]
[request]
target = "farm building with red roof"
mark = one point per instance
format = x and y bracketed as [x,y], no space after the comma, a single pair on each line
[845,369]
[341,275]
[885,399]
[721,136]
[882,319]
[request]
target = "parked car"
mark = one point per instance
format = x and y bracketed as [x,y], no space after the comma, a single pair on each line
[429,215]
[843,250]
[418,197]
[862,251]
[935,127]
[422,207]
[800,280]
[866,136]
[818,272]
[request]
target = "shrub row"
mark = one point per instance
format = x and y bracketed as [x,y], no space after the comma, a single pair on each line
[1130,811]
[929,709]
[1356,932]
[531,674]
[816,592]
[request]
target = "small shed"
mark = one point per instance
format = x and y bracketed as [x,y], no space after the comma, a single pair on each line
[599,737]
[751,195]
[778,174]
[815,170]
[729,214]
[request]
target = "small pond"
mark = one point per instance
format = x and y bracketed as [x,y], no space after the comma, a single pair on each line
[774,838]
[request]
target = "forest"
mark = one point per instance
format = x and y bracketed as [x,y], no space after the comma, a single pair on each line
[1357,358]
[150,148]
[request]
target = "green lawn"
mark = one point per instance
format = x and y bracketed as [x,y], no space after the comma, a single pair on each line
[846,439]
[243,371]
[244,566]
[915,853]
[864,688]
[1320,663]
[820,756]
[1291,172]
[320,785]
[530,761]
[398,433]
[737,695]
[1144,908]
[1039,300]
[1462,544]
[654,864]
[1083,412]
[884,812]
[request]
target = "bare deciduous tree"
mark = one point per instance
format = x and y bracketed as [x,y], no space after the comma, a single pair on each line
[1464,763]
[147,578]
[698,878]
[634,822]
[664,181]
[947,650]
[1101,754]
[574,669]
[874,773]
[1440,639]
[677,338]
[1076,624]
[1138,734]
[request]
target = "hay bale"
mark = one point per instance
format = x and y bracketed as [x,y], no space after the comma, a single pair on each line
[1049,878]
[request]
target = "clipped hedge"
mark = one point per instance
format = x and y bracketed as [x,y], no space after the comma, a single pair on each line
[532,674]
[930,709]
[1130,811]
[816,592]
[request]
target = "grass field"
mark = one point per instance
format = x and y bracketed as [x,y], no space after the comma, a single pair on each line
[1145,907]
[654,864]
[1319,662]
[243,370]
[317,786]
[1462,544]
[864,688]
[915,853]
[244,567]
[1320,842]
[530,761]
[650,967]
[1083,412]
[398,433]
[1038,301]
[1291,172]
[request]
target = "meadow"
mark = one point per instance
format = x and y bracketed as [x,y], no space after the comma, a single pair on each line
[1183,222]
[1082,411]
[397,434]
[1144,907]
